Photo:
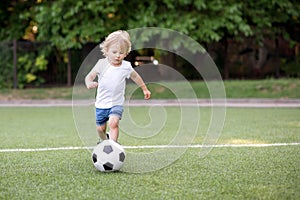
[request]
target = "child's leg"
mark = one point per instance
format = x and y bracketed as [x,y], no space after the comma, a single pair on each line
[114,127]
[101,121]
[102,131]
[114,117]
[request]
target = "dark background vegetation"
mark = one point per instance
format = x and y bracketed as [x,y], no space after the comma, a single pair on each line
[46,41]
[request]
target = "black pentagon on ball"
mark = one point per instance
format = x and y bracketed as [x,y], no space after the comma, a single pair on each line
[108,166]
[122,156]
[108,149]
[94,157]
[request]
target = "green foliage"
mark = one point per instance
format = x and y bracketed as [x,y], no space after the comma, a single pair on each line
[203,21]
[12,24]
[269,18]
[28,67]
[291,67]
[69,24]
[6,65]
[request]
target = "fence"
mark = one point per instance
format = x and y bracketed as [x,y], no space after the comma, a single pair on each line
[31,64]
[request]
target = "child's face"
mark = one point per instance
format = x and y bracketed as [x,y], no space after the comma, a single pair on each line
[115,54]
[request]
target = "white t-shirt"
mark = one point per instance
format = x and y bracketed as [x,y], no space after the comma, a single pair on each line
[111,83]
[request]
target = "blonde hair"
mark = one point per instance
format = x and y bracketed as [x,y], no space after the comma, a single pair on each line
[120,37]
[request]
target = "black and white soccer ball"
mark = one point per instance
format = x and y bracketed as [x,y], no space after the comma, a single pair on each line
[108,156]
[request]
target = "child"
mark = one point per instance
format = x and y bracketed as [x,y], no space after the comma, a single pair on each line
[112,72]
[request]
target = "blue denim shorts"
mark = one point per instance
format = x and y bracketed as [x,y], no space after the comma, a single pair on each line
[103,114]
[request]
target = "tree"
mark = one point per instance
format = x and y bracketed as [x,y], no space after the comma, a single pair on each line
[270,20]
[12,18]
[69,24]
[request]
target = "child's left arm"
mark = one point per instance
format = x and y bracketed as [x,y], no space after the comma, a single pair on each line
[139,81]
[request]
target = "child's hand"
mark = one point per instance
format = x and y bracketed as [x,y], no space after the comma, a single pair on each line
[91,85]
[147,94]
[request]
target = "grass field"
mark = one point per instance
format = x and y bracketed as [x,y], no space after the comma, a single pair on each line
[268,88]
[271,172]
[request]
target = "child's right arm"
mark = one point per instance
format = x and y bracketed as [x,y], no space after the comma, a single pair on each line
[89,79]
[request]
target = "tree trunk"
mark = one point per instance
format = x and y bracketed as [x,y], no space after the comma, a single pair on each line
[15,63]
[69,70]
[225,56]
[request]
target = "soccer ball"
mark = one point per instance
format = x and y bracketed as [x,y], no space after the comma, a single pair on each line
[108,156]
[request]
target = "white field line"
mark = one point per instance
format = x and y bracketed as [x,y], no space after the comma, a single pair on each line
[247,103]
[156,147]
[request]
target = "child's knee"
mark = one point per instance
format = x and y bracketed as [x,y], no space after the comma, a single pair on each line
[101,129]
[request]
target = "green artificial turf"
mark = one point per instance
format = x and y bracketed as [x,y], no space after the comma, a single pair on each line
[224,173]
